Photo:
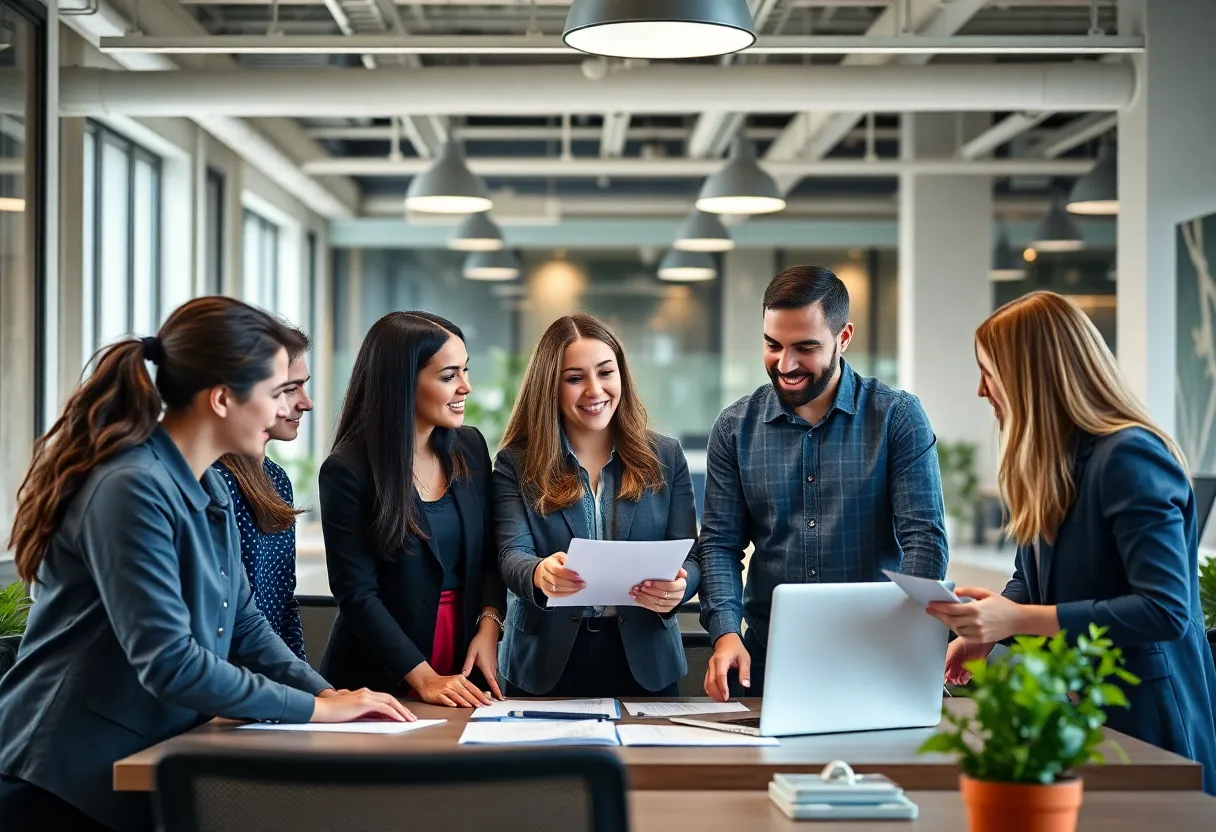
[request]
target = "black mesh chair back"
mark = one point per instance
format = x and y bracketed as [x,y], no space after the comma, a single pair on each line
[697,650]
[524,790]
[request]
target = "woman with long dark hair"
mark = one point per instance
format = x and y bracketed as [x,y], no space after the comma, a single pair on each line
[405,509]
[263,500]
[145,625]
[579,460]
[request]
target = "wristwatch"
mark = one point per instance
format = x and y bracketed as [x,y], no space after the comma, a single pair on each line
[493,616]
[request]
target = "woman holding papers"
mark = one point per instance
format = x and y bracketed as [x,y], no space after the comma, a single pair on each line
[405,509]
[145,625]
[1104,517]
[578,461]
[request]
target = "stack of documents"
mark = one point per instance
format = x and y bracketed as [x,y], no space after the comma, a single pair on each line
[539,732]
[664,710]
[830,797]
[685,736]
[611,568]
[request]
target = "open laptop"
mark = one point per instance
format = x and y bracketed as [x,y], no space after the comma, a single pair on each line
[846,657]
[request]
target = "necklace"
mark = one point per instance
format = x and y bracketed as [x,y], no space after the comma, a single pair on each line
[425,489]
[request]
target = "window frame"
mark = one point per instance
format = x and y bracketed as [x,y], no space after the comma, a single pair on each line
[99,135]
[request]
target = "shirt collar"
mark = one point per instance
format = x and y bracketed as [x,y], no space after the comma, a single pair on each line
[569,450]
[198,494]
[846,398]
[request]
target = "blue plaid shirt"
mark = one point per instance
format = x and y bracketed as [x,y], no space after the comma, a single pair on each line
[831,503]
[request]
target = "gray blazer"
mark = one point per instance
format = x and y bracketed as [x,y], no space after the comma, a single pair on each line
[145,627]
[539,638]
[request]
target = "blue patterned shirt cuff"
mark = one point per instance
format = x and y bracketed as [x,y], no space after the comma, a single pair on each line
[723,623]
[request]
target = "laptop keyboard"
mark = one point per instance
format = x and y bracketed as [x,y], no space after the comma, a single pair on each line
[745,722]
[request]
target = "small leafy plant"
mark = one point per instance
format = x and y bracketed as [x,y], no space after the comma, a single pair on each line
[960,482]
[1039,709]
[1207,592]
[14,610]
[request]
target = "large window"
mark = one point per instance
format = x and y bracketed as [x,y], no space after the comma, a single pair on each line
[22,268]
[261,267]
[122,220]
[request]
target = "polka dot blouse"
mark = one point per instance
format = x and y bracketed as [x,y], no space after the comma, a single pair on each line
[270,559]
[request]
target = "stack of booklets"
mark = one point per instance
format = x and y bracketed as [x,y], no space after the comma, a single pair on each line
[834,795]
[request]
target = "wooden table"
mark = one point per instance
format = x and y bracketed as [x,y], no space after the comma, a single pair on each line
[893,753]
[657,811]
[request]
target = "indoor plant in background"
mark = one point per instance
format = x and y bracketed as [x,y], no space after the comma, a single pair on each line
[1207,599]
[14,610]
[959,486]
[1038,717]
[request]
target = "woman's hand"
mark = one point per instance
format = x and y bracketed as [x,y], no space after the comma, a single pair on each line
[330,692]
[661,596]
[961,651]
[553,578]
[483,654]
[989,618]
[453,691]
[359,704]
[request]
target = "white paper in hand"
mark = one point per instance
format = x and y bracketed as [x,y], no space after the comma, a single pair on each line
[611,568]
[923,590]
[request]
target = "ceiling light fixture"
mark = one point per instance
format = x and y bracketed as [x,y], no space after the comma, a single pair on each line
[703,232]
[660,29]
[448,186]
[491,265]
[740,186]
[477,232]
[1006,263]
[1057,231]
[14,204]
[1097,192]
[686,266]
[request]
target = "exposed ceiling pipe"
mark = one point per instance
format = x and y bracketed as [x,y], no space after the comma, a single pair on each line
[636,168]
[530,90]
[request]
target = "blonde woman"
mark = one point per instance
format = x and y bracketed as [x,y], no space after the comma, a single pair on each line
[578,461]
[1104,517]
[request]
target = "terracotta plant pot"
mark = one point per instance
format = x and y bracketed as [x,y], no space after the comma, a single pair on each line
[1021,807]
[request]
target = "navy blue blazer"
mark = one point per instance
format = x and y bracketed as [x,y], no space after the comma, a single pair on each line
[538,638]
[144,627]
[1126,558]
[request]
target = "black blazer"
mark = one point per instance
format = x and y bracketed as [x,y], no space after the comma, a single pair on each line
[387,605]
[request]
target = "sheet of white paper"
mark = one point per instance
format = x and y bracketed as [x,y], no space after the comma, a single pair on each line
[666,709]
[685,735]
[923,590]
[540,732]
[611,568]
[590,707]
[347,727]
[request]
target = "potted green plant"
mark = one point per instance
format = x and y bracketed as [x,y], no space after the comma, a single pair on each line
[1207,599]
[1038,718]
[960,484]
[14,611]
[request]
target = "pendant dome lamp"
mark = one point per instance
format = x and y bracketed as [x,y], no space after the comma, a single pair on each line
[659,29]
[1097,192]
[686,267]
[1057,231]
[741,186]
[448,186]
[477,232]
[1007,264]
[703,232]
[491,265]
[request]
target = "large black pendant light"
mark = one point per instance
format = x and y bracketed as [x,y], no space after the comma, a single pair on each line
[659,28]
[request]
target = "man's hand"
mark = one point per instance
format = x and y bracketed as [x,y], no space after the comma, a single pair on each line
[729,652]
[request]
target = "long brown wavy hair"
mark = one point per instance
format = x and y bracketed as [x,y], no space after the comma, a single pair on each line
[1058,380]
[535,431]
[207,342]
[271,513]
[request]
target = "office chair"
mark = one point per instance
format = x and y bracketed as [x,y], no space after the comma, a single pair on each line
[8,654]
[697,650]
[529,790]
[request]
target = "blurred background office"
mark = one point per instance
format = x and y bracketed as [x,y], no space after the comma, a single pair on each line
[154,150]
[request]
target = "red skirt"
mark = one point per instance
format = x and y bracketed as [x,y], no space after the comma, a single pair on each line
[447,657]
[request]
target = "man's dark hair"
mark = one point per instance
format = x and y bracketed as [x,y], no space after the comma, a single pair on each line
[802,286]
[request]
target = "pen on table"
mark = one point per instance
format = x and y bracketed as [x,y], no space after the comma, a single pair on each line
[555,715]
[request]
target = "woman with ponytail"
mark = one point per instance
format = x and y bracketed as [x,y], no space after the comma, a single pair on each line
[263,501]
[145,625]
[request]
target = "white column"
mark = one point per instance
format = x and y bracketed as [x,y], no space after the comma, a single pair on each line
[945,246]
[1167,174]
[745,275]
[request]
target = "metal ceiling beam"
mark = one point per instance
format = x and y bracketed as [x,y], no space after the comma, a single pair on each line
[397,44]
[814,134]
[543,90]
[634,168]
[1077,132]
[1007,128]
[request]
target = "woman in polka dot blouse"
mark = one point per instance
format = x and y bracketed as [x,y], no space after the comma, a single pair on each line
[263,500]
